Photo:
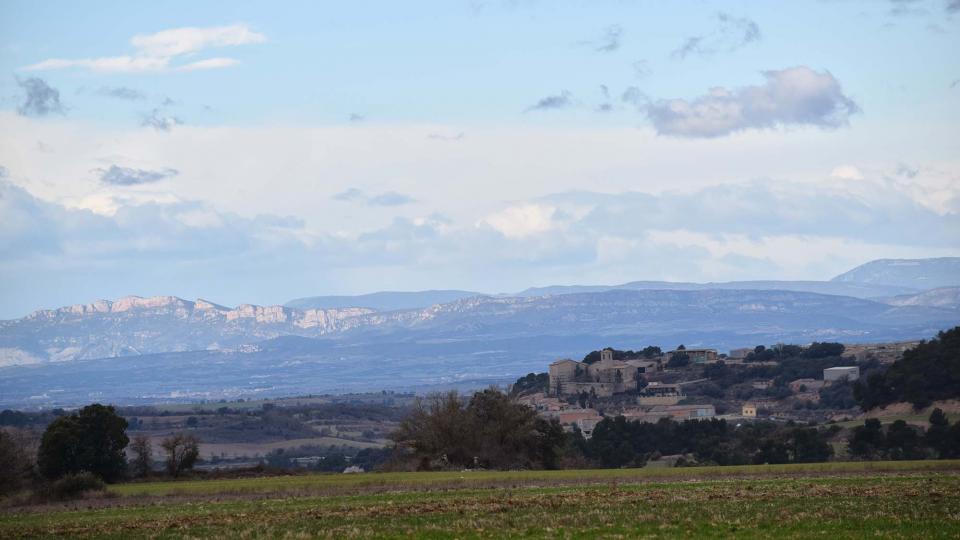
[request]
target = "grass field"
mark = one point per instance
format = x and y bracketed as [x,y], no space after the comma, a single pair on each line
[835,500]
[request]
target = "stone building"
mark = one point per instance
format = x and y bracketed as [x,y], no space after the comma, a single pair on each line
[603,379]
[660,394]
[699,356]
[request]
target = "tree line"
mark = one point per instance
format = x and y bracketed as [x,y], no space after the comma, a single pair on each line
[900,440]
[924,374]
[492,430]
[84,449]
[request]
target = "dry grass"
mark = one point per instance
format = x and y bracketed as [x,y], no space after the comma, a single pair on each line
[757,508]
[330,483]
[839,500]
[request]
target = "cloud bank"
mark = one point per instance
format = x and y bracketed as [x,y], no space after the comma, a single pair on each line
[750,230]
[793,96]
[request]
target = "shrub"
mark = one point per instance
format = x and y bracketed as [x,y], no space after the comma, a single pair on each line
[70,486]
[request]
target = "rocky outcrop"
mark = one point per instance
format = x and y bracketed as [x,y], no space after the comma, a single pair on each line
[136,326]
[133,325]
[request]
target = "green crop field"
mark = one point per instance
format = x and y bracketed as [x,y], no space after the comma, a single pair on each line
[836,500]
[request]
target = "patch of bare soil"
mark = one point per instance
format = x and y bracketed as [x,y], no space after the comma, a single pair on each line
[904,409]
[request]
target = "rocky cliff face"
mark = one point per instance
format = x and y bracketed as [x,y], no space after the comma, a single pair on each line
[133,325]
[200,310]
[136,326]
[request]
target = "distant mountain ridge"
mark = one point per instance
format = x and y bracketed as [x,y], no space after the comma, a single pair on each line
[855,290]
[383,300]
[919,274]
[146,348]
[171,349]
[135,326]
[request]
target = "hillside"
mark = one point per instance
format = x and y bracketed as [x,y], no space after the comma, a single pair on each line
[917,274]
[855,290]
[177,349]
[134,326]
[926,373]
[944,297]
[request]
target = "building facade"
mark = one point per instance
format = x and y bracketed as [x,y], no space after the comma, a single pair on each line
[603,379]
[850,373]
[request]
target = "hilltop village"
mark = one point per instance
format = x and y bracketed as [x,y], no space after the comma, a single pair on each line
[813,383]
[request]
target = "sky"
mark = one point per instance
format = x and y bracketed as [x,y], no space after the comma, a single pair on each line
[261,151]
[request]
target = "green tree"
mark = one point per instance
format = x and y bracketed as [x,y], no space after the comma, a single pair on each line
[927,373]
[823,350]
[810,446]
[678,359]
[651,351]
[902,442]
[937,433]
[549,439]
[91,440]
[868,440]
[772,451]
[951,446]
[530,383]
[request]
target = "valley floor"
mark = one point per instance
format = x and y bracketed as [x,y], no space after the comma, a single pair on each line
[829,500]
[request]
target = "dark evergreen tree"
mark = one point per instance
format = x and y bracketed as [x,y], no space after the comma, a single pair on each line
[937,433]
[868,440]
[91,440]
[927,373]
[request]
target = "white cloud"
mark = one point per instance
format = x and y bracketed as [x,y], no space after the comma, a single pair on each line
[792,96]
[125,64]
[523,220]
[157,52]
[210,63]
[178,41]
[847,172]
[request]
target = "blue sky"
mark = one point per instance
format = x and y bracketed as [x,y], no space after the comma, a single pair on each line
[263,151]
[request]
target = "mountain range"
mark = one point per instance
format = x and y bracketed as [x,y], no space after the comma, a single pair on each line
[170,348]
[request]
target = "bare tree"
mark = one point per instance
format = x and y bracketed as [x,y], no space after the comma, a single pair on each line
[490,430]
[16,460]
[182,452]
[142,452]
